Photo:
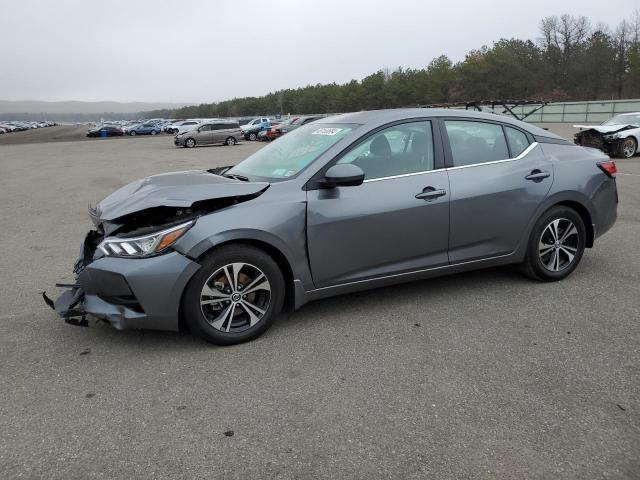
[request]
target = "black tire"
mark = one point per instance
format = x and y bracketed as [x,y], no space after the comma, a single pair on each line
[230,141]
[253,136]
[543,267]
[190,143]
[628,147]
[200,323]
[153,132]
[132,133]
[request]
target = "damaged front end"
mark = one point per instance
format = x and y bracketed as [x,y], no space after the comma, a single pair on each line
[127,272]
[606,139]
[70,304]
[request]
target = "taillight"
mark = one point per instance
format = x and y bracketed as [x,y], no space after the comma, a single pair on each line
[609,168]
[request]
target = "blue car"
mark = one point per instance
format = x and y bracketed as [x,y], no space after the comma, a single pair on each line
[145,129]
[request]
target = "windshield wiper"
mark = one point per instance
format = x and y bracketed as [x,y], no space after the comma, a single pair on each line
[236,177]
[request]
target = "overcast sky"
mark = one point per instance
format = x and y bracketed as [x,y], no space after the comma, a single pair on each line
[206,50]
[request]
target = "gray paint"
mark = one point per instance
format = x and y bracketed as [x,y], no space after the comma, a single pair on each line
[352,238]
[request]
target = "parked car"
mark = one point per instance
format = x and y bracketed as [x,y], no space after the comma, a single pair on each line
[254,127]
[265,134]
[252,132]
[276,129]
[618,136]
[226,132]
[105,131]
[347,203]
[298,122]
[183,126]
[145,129]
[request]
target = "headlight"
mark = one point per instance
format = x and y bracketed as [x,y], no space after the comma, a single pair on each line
[144,246]
[613,136]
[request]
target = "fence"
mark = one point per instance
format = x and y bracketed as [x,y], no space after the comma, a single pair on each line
[572,112]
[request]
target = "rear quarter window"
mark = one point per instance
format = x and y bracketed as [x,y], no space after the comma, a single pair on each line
[518,141]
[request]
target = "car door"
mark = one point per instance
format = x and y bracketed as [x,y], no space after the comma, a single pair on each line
[204,135]
[498,178]
[397,221]
[217,133]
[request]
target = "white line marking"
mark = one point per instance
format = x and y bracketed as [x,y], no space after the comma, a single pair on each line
[631,174]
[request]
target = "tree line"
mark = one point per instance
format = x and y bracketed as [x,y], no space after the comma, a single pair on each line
[571,60]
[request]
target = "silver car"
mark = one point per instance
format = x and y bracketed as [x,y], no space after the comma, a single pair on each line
[219,132]
[346,203]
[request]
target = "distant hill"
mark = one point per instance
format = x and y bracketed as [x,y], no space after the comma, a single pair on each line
[71,107]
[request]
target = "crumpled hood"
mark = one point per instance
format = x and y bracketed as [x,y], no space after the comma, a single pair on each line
[175,189]
[604,128]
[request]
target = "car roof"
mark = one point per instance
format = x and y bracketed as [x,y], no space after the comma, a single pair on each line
[380,117]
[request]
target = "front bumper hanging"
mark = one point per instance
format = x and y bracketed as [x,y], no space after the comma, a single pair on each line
[69,305]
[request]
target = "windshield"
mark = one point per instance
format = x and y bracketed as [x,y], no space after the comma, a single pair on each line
[290,154]
[623,120]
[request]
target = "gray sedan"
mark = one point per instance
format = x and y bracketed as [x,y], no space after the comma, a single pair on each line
[346,203]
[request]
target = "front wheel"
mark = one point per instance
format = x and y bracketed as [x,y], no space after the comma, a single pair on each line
[190,143]
[153,132]
[230,141]
[628,147]
[556,245]
[235,297]
[132,133]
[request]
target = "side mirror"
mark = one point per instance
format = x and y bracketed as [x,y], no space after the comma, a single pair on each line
[343,175]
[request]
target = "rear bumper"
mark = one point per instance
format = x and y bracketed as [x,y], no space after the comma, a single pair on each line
[605,207]
[129,293]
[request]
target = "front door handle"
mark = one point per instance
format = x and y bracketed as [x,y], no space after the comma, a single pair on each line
[537,175]
[430,193]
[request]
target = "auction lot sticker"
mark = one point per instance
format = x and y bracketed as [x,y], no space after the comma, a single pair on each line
[327,131]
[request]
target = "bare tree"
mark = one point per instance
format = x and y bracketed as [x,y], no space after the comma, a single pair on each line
[623,42]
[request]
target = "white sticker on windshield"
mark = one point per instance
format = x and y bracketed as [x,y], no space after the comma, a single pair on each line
[327,131]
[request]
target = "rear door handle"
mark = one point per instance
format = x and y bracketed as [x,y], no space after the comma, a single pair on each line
[537,175]
[430,193]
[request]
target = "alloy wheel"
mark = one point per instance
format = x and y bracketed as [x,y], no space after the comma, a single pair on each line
[558,244]
[629,148]
[235,298]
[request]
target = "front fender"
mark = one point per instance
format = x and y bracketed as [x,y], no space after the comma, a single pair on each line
[278,221]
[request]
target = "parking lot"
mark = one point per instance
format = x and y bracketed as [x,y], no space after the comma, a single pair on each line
[478,375]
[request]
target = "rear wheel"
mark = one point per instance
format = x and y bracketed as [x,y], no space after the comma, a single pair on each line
[556,245]
[132,133]
[628,147]
[235,296]
[190,143]
[230,141]
[153,132]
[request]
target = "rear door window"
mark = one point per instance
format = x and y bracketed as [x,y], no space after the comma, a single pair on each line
[475,142]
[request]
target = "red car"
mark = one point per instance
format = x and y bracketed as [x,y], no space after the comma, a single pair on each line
[276,130]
